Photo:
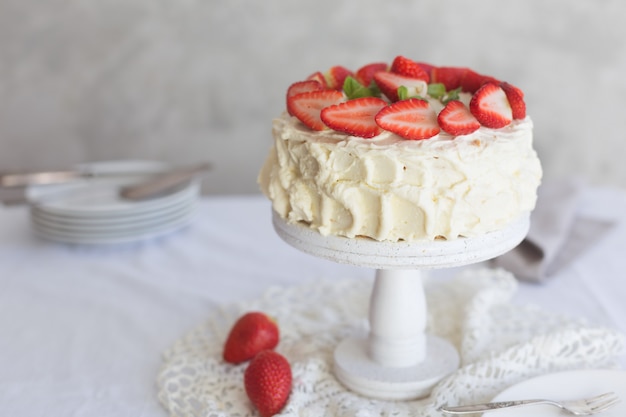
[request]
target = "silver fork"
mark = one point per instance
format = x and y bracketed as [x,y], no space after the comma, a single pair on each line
[582,407]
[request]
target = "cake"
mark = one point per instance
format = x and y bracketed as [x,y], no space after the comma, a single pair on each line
[404,151]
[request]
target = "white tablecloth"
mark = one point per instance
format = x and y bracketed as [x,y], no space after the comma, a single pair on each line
[82,329]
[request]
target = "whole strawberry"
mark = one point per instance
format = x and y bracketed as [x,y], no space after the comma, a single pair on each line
[252,333]
[267,381]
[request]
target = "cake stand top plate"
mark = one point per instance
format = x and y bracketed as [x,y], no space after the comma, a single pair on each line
[402,255]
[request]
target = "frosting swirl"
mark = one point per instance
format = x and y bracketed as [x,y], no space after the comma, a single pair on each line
[391,189]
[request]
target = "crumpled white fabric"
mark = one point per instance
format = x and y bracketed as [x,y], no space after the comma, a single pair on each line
[500,343]
[558,234]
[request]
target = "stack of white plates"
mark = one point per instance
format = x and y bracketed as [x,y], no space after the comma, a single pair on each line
[90,211]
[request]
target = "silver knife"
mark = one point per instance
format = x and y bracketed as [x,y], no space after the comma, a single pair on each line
[25,179]
[164,183]
[43,178]
[155,185]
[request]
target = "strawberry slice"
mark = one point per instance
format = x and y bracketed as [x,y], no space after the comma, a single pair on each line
[426,67]
[448,76]
[354,117]
[411,119]
[308,106]
[512,87]
[319,77]
[456,119]
[409,68]
[302,87]
[336,75]
[490,106]
[389,82]
[471,81]
[365,74]
[516,100]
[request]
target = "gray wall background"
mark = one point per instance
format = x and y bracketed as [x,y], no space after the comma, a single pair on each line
[190,80]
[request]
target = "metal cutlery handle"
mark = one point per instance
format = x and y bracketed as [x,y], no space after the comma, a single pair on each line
[578,407]
[162,182]
[481,408]
[34,178]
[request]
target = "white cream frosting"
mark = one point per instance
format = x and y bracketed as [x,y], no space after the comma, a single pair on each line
[390,189]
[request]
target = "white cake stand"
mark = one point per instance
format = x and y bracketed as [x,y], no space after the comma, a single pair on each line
[398,360]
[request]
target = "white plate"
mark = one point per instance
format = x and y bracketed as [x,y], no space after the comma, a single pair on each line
[116,238]
[564,386]
[99,196]
[80,222]
[123,227]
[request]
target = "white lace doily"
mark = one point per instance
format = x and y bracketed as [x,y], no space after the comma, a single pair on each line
[500,344]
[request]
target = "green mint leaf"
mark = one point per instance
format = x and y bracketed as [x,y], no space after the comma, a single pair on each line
[374,89]
[452,95]
[350,86]
[355,89]
[436,90]
[403,93]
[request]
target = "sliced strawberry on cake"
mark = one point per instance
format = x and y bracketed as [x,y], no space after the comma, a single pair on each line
[456,119]
[302,87]
[471,81]
[354,117]
[411,119]
[389,82]
[308,106]
[365,74]
[426,66]
[516,100]
[409,68]
[319,77]
[336,75]
[448,76]
[490,106]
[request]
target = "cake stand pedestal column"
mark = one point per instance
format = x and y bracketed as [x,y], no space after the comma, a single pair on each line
[397,318]
[398,360]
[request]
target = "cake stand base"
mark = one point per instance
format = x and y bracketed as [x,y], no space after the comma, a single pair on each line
[358,372]
[398,360]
